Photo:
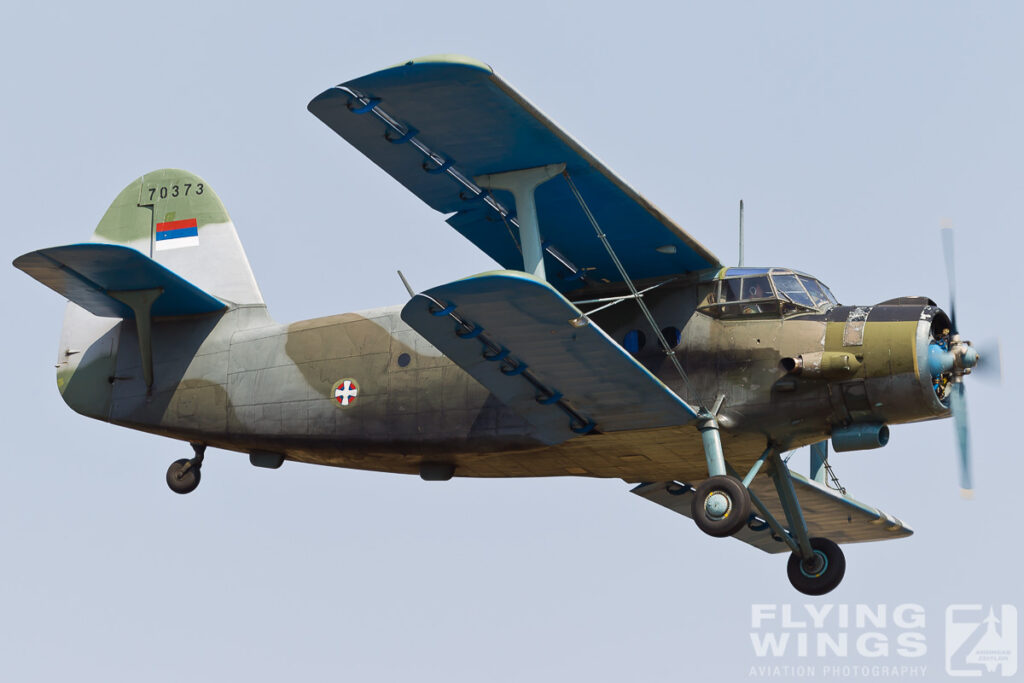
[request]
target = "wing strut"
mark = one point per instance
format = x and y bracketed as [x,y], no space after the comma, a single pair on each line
[521,184]
[819,459]
[141,302]
[669,351]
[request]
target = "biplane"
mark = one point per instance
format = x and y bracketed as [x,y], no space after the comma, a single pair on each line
[610,344]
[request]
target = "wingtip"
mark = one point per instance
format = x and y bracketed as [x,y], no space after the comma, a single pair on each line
[446,58]
[449,59]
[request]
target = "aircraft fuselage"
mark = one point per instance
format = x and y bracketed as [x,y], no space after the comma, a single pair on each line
[363,390]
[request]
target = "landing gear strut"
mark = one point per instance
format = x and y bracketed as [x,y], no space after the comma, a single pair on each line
[816,565]
[721,504]
[183,475]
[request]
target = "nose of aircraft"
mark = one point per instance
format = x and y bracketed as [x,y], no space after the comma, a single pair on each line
[950,358]
[951,355]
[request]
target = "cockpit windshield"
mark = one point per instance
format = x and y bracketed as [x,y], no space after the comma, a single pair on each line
[790,289]
[819,293]
[778,291]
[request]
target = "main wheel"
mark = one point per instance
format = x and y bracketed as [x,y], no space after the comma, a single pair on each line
[183,476]
[822,573]
[721,506]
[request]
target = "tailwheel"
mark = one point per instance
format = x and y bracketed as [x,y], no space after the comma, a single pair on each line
[183,475]
[820,573]
[721,506]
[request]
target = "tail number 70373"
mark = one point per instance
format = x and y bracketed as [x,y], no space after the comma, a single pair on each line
[166,191]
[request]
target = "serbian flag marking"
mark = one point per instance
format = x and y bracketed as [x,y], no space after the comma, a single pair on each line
[177,234]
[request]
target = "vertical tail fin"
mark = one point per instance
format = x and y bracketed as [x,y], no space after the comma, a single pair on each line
[175,218]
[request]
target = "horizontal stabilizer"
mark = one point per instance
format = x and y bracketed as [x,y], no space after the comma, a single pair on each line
[542,357]
[828,513]
[87,274]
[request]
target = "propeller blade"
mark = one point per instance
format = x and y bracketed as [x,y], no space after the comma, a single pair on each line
[958,405]
[947,251]
[990,362]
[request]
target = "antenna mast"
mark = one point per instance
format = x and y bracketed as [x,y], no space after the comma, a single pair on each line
[741,233]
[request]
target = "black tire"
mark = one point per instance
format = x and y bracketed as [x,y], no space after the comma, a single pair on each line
[820,580]
[182,479]
[737,509]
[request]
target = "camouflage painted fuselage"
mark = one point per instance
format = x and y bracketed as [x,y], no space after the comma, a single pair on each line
[243,382]
[240,381]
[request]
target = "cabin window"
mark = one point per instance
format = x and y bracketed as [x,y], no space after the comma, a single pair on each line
[672,336]
[634,341]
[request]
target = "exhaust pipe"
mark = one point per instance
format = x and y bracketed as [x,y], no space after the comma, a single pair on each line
[823,365]
[860,437]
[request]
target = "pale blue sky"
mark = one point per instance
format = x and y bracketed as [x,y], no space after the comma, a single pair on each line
[850,130]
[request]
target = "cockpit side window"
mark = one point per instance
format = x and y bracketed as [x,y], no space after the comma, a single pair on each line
[732,290]
[828,293]
[757,287]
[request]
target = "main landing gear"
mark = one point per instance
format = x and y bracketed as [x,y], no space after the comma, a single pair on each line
[820,573]
[183,475]
[722,504]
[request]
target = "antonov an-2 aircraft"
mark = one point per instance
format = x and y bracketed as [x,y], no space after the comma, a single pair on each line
[612,345]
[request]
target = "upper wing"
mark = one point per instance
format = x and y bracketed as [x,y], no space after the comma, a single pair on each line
[828,514]
[436,123]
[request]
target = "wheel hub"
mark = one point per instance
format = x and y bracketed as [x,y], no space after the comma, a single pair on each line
[717,505]
[814,566]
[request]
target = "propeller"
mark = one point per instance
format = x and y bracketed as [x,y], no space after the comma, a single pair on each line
[957,359]
[947,251]
[990,362]
[958,406]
